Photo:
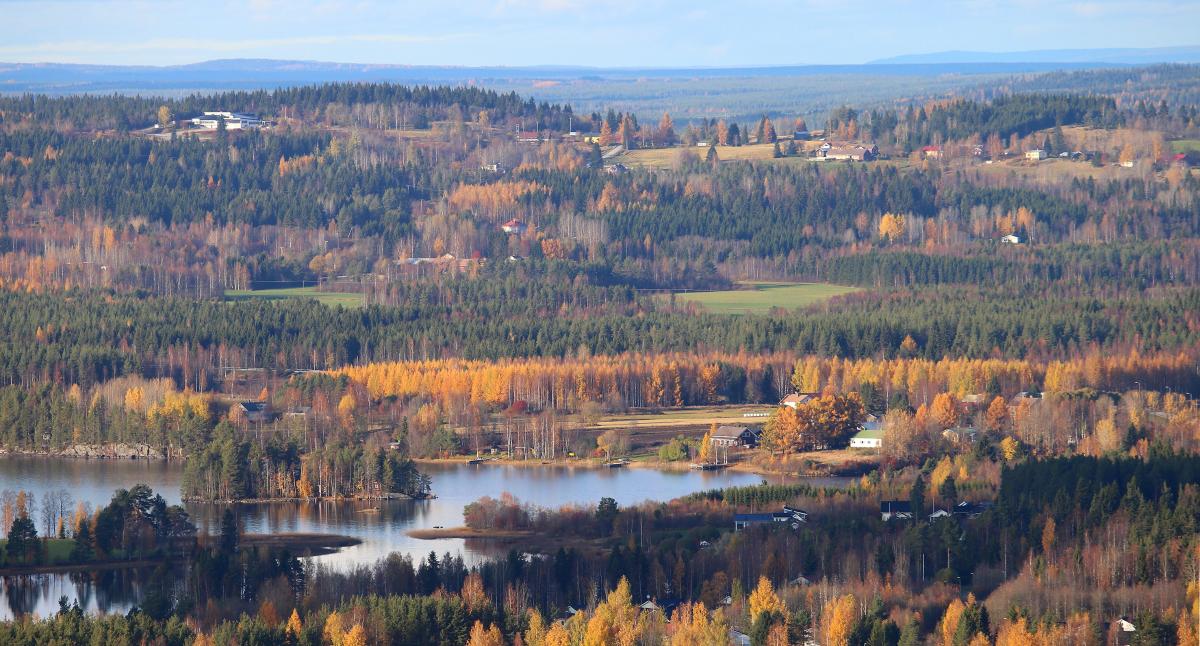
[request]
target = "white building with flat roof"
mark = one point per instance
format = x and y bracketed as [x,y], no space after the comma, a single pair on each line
[211,120]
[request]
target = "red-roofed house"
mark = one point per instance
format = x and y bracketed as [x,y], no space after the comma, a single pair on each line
[795,399]
[513,226]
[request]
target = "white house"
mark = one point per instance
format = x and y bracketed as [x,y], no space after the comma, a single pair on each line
[869,437]
[1011,239]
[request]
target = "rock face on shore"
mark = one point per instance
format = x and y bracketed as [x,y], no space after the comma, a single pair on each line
[119,451]
[110,451]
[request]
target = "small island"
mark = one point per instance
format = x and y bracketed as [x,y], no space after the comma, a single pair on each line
[137,529]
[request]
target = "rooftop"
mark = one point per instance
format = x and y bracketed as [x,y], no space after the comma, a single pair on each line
[869,433]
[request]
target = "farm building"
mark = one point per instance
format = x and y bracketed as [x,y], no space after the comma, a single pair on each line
[870,437]
[255,412]
[1124,631]
[971,509]
[795,399]
[735,436]
[1035,155]
[960,435]
[900,509]
[513,227]
[441,264]
[852,152]
[789,515]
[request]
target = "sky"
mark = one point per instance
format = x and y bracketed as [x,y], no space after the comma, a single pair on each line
[599,33]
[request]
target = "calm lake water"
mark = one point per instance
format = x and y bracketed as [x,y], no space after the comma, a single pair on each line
[382,532]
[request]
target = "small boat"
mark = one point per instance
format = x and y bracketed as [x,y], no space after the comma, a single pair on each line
[706,466]
[616,464]
[475,461]
[369,510]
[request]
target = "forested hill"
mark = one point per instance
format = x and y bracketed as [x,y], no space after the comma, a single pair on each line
[476,225]
[417,105]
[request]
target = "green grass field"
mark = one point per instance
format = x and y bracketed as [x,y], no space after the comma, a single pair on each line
[58,550]
[760,297]
[663,158]
[1185,145]
[328,298]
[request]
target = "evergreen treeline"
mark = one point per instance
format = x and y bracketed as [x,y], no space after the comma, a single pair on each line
[1135,265]
[1015,114]
[423,104]
[244,179]
[756,495]
[230,467]
[1161,497]
[91,338]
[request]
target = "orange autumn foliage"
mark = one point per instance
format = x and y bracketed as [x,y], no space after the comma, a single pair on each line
[496,201]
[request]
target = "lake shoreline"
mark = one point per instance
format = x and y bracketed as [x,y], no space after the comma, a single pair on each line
[309,544]
[434,533]
[772,469]
[193,500]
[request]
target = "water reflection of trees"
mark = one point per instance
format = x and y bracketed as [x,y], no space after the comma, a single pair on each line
[104,591]
[115,589]
[351,517]
[84,595]
[22,593]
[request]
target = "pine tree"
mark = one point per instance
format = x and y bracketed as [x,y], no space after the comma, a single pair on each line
[22,540]
[768,132]
[82,550]
[911,634]
[916,498]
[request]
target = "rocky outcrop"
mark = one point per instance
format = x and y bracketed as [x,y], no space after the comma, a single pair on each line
[115,451]
[118,451]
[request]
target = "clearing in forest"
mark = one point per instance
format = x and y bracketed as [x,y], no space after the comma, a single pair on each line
[664,158]
[327,298]
[761,297]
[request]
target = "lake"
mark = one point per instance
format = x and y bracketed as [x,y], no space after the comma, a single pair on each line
[382,532]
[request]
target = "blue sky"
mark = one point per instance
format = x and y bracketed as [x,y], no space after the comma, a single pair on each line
[605,33]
